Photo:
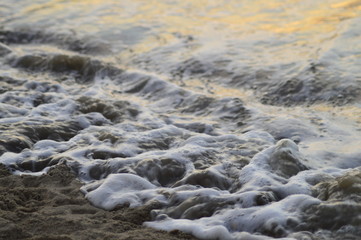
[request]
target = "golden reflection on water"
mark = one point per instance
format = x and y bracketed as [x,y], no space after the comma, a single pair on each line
[210,19]
[350,112]
[201,19]
[190,17]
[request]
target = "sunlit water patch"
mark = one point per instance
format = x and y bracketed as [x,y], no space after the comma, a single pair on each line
[230,119]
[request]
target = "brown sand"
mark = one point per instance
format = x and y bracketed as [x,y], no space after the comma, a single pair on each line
[51,207]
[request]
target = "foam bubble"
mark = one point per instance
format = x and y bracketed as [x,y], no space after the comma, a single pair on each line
[118,189]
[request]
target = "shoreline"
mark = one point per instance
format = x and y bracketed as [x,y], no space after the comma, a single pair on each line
[52,207]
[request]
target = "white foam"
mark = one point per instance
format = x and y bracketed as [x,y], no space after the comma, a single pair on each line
[239,217]
[61,109]
[118,189]
[230,223]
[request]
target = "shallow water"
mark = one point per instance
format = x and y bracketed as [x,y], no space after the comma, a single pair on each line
[241,119]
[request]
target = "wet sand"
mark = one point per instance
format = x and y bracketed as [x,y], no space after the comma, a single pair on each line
[52,207]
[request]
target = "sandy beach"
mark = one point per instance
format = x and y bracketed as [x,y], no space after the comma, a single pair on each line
[52,207]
